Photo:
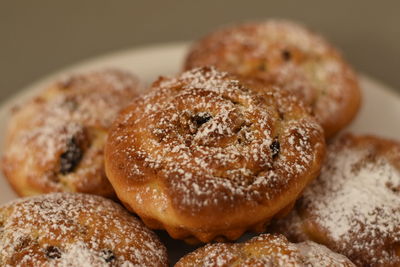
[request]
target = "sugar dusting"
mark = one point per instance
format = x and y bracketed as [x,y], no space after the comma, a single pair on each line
[210,138]
[319,255]
[286,54]
[77,109]
[77,102]
[356,200]
[264,250]
[74,230]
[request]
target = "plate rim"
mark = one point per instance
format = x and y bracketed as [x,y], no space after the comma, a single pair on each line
[38,84]
[138,50]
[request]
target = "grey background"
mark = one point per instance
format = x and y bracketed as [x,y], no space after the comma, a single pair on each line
[41,36]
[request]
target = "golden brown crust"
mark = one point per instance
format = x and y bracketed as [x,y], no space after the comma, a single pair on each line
[264,250]
[354,206]
[290,56]
[55,141]
[202,156]
[71,229]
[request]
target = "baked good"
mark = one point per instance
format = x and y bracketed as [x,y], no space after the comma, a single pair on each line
[55,141]
[354,206]
[73,229]
[288,55]
[205,158]
[264,250]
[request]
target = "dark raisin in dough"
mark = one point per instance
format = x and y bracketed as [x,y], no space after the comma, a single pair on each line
[71,157]
[108,255]
[53,252]
[286,55]
[275,148]
[201,118]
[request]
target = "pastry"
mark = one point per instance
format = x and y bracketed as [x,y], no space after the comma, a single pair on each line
[73,229]
[290,56]
[354,206]
[205,158]
[55,141]
[264,250]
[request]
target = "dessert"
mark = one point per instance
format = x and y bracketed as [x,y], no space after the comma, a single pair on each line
[354,206]
[264,250]
[205,158]
[55,141]
[286,54]
[72,229]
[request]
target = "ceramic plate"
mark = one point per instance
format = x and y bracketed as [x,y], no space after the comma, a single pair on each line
[379,115]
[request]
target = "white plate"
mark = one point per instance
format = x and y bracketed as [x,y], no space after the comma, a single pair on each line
[380,113]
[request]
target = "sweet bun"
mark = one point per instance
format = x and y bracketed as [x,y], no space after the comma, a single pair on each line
[205,158]
[72,229]
[354,206]
[290,56]
[55,141]
[264,250]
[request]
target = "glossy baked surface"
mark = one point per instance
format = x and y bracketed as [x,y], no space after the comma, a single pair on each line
[380,108]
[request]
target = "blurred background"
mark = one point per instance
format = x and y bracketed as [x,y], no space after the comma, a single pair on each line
[40,37]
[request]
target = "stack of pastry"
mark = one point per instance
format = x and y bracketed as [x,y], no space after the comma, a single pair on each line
[235,143]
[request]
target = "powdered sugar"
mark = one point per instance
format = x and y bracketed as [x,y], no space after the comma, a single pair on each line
[290,56]
[264,250]
[293,34]
[210,139]
[69,119]
[76,103]
[74,230]
[355,203]
[318,255]
[356,200]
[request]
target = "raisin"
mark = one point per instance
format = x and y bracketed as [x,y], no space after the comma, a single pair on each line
[286,55]
[275,148]
[71,157]
[108,255]
[53,252]
[201,118]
